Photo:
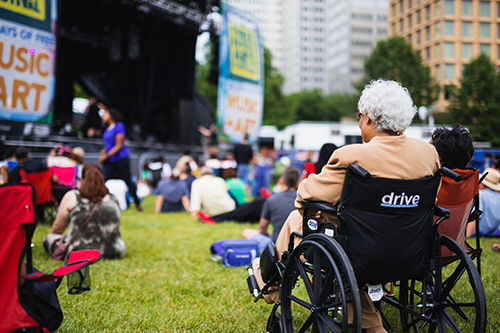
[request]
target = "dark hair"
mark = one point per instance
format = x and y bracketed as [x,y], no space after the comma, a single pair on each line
[2,149]
[10,152]
[229,173]
[93,187]
[114,114]
[21,153]
[291,176]
[454,146]
[324,155]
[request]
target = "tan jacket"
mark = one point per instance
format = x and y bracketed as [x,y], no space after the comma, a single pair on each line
[396,157]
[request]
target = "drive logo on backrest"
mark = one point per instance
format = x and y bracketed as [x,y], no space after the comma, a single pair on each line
[400,200]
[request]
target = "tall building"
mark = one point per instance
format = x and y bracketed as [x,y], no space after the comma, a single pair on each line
[295,33]
[448,34]
[305,44]
[319,44]
[354,27]
[269,13]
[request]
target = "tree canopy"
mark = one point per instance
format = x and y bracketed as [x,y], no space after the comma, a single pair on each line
[395,59]
[476,103]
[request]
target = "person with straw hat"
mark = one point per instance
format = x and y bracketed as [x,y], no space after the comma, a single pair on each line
[489,201]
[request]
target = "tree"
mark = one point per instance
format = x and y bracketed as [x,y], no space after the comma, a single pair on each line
[395,59]
[276,110]
[205,83]
[476,103]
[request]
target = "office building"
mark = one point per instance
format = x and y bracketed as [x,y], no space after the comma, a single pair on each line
[448,33]
[354,27]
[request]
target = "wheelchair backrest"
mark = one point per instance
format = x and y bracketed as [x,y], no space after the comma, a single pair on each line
[385,225]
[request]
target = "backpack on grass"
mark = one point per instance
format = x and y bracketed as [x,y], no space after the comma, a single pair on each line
[234,252]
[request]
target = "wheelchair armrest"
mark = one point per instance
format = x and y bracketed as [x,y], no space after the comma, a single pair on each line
[360,170]
[441,212]
[322,206]
[450,173]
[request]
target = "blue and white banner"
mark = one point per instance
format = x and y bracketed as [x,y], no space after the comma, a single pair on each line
[241,77]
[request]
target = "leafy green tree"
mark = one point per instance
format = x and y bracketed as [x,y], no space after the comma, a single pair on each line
[395,59]
[276,109]
[204,82]
[476,103]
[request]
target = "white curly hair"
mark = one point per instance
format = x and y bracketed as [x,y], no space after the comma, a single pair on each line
[388,104]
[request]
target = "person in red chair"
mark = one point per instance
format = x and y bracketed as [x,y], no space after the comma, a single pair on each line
[26,164]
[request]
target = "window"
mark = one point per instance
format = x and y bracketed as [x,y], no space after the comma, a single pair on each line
[466,29]
[498,27]
[428,33]
[409,38]
[484,30]
[401,26]
[438,74]
[428,12]
[484,48]
[438,30]
[418,37]
[448,92]
[438,51]
[394,28]
[449,71]
[484,8]
[466,7]
[438,8]
[400,6]
[409,21]
[449,50]
[393,8]
[498,52]
[449,28]
[409,3]
[428,54]
[418,16]
[466,50]
[448,7]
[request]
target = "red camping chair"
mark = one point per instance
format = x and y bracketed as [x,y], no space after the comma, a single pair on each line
[65,175]
[45,202]
[462,200]
[17,224]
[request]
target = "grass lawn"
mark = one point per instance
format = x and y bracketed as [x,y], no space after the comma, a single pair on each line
[168,283]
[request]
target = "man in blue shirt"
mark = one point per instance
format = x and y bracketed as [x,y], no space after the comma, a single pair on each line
[489,201]
[276,209]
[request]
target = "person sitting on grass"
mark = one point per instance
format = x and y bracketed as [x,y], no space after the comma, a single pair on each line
[276,209]
[172,194]
[102,231]
[210,193]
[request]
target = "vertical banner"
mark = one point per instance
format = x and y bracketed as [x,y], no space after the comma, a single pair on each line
[241,77]
[27,60]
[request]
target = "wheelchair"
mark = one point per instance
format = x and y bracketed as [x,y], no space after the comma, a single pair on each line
[386,242]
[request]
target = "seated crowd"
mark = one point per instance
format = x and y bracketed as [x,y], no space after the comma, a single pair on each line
[218,191]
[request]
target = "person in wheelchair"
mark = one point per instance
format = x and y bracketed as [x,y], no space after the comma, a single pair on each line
[386,109]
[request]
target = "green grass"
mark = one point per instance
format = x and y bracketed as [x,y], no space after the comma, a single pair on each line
[168,283]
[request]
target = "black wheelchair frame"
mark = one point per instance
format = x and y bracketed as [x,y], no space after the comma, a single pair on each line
[426,301]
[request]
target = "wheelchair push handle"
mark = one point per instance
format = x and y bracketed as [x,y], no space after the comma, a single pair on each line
[450,173]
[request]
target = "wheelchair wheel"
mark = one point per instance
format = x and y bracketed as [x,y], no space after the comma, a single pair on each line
[458,304]
[319,289]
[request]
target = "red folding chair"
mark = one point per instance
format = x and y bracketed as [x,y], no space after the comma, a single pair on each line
[45,201]
[17,225]
[65,175]
[462,200]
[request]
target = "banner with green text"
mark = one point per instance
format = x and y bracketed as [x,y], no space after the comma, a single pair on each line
[241,77]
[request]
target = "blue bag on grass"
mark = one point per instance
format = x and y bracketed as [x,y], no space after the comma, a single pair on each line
[234,252]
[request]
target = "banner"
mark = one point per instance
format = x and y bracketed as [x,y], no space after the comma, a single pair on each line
[241,77]
[27,60]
